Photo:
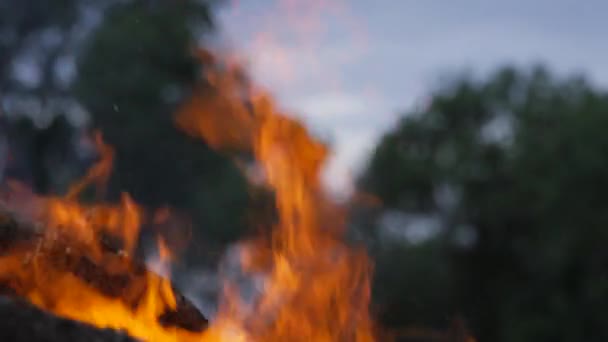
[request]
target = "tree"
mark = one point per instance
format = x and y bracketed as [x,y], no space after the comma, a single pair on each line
[38,44]
[523,155]
[136,68]
[39,41]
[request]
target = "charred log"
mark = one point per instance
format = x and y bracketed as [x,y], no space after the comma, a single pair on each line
[186,317]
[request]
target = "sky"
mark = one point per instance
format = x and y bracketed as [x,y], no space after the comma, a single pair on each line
[350,69]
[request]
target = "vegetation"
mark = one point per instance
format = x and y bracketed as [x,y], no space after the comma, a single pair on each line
[515,167]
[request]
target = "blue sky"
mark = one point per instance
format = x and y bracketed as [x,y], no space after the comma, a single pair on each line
[351,72]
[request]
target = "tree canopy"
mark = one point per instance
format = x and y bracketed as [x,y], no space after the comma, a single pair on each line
[514,168]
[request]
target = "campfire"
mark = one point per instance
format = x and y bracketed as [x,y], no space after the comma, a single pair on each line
[76,260]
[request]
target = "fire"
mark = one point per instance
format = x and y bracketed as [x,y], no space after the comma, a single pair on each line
[99,173]
[313,285]
[52,272]
[317,287]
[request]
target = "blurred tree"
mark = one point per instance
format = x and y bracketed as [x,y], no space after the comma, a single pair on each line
[26,22]
[38,44]
[136,68]
[515,166]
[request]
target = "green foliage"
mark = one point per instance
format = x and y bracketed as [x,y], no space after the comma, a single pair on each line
[43,158]
[535,197]
[417,291]
[135,70]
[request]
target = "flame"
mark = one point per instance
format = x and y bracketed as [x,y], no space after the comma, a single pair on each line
[313,285]
[99,173]
[72,235]
[317,287]
[163,284]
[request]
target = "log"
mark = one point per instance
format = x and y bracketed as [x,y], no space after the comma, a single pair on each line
[115,276]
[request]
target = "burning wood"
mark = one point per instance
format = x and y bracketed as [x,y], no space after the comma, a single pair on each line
[25,246]
[315,286]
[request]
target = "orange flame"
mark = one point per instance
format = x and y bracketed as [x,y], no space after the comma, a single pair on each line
[317,287]
[73,234]
[99,173]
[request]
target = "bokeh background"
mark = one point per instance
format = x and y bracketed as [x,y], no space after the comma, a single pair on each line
[479,128]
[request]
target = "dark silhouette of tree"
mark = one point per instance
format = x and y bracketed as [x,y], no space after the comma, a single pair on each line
[521,248]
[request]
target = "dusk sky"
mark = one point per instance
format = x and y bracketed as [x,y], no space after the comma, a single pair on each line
[350,68]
